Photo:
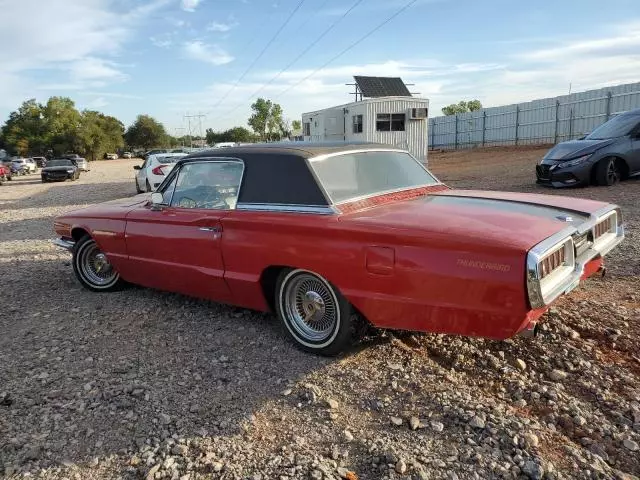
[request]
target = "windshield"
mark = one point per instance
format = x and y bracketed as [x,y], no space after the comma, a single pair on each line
[351,175]
[616,127]
[59,163]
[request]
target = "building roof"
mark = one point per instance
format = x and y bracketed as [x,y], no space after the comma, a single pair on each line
[300,149]
[415,100]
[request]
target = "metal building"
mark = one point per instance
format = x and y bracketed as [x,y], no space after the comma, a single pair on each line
[397,120]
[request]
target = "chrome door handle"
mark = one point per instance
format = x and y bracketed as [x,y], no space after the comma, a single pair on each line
[209,229]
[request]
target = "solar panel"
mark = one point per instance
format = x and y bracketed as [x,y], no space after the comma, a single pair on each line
[382,87]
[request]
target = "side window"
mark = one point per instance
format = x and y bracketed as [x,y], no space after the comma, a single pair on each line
[208,185]
[168,191]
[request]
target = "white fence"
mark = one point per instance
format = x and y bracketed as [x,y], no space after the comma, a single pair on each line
[543,121]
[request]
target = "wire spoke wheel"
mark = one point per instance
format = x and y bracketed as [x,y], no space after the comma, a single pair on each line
[94,266]
[311,307]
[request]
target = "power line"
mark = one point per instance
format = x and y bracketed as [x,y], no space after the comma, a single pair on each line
[357,42]
[262,52]
[199,116]
[309,47]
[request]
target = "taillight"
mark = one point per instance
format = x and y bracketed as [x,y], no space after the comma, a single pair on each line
[158,170]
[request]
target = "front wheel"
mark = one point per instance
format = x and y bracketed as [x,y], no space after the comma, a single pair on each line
[314,313]
[608,172]
[92,268]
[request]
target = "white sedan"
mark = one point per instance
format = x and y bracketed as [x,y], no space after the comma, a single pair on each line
[154,170]
[28,164]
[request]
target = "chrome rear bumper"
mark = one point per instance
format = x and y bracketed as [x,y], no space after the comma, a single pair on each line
[62,243]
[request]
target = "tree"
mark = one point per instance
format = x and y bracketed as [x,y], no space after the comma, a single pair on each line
[235,134]
[260,118]
[146,132]
[100,134]
[267,120]
[25,130]
[462,107]
[296,125]
[63,122]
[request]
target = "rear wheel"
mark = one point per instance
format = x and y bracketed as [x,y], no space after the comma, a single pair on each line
[608,172]
[138,189]
[92,268]
[148,185]
[314,313]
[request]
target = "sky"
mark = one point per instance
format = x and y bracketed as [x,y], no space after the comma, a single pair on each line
[172,58]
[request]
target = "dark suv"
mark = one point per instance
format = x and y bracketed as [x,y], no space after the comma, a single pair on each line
[608,154]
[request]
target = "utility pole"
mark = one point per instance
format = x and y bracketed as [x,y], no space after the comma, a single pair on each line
[199,116]
[180,129]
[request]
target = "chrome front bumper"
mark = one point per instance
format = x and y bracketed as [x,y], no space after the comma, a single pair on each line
[62,243]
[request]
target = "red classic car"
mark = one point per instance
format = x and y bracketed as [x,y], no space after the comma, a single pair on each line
[329,235]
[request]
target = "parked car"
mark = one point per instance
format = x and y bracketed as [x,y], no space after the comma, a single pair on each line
[111,156]
[604,157]
[127,155]
[25,165]
[6,163]
[60,169]
[40,161]
[4,173]
[82,164]
[330,236]
[154,170]
[153,152]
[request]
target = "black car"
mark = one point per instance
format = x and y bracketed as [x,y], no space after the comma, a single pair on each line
[60,169]
[608,154]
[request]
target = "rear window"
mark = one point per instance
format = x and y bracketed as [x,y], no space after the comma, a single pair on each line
[166,160]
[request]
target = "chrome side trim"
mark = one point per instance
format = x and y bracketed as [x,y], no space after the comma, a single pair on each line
[62,243]
[279,207]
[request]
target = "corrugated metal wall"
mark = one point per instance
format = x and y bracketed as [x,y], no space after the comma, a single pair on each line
[547,120]
[415,135]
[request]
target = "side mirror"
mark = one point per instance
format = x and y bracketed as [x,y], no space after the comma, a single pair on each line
[157,198]
[137,167]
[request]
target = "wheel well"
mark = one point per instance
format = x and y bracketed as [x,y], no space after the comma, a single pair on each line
[268,280]
[622,165]
[77,233]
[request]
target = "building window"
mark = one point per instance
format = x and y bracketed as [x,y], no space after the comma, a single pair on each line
[306,129]
[390,122]
[357,124]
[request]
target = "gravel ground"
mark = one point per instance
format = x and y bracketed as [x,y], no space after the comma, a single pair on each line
[142,384]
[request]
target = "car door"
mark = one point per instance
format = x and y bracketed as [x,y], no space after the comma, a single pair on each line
[141,175]
[177,246]
[634,154]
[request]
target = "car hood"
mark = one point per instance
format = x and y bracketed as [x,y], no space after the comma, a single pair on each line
[493,219]
[57,169]
[576,148]
[112,209]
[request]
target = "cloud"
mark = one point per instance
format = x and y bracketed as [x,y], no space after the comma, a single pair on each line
[75,37]
[221,27]
[616,45]
[190,5]
[162,42]
[95,69]
[203,52]
[97,103]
